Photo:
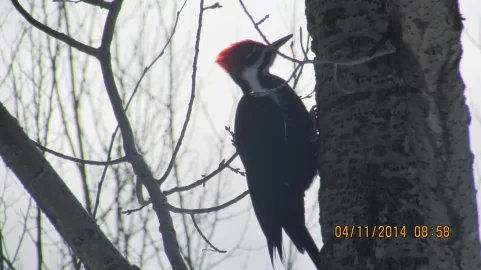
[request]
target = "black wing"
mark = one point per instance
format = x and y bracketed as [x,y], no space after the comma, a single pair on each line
[259,138]
[273,142]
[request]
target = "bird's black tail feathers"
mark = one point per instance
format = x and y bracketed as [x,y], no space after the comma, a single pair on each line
[274,242]
[303,241]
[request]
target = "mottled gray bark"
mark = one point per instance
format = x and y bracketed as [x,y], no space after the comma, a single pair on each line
[58,203]
[394,135]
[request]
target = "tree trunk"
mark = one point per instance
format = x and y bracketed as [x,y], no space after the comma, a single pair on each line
[397,189]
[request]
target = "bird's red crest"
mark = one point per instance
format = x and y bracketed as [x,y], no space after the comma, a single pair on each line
[232,57]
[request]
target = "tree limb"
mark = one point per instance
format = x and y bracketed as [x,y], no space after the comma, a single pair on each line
[49,31]
[140,167]
[82,161]
[58,203]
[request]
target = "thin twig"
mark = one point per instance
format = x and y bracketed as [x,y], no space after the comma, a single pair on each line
[139,192]
[205,238]
[158,56]
[305,51]
[81,161]
[256,26]
[237,170]
[128,212]
[210,209]
[322,61]
[258,93]
[254,22]
[138,186]
[213,6]
[192,97]
[224,164]
[24,231]
[471,38]
[104,173]
[49,31]
[262,20]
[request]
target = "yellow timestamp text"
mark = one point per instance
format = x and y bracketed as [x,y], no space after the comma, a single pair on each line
[388,231]
[424,231]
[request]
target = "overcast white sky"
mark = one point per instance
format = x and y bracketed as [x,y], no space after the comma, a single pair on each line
[230,24]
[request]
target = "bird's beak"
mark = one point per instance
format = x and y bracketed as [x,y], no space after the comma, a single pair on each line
[278,43]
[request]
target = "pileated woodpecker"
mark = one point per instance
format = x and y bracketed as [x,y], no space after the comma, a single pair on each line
[273,136]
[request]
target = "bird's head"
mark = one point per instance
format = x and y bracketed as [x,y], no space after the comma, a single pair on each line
[249,57]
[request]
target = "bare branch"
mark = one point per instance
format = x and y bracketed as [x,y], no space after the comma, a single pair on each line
[139,191]
[78,160]
[24,231]
[104,173]
[262,20]
[256,25]
[214,6]
[323,61]
[158,56]
[64,211]
[192,97]
[128,212]
[49,31]
[3,259]
[471,38]
[140,167]
[203,180]
[138,185]
[126,230]
[205,238]
[208,210]
[237,171]
[304,52]
[108,33]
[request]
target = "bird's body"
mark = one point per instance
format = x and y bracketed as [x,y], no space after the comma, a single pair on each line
[273,138]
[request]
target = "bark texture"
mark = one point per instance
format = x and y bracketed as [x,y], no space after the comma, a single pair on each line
[58,203]
[394,132]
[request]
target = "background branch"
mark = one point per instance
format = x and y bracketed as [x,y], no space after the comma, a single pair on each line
[224,164]
[210,209]
[139,165]
[203,236]
[192,96]
[83,161]
[49,31]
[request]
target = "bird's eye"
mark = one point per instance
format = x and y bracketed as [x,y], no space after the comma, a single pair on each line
[251,53]
[251,58]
